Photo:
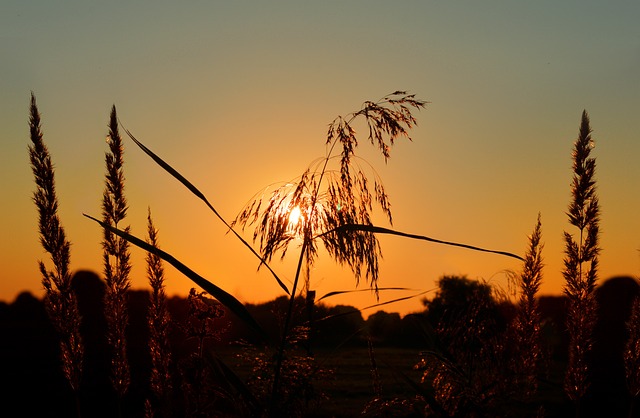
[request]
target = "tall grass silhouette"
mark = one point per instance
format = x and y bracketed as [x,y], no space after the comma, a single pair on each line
[60,299]
[116,258]
[158,318]
[581,263]
[528,354]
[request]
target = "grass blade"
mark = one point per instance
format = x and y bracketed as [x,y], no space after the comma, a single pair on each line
[374,305]
[381,230]
[233,304]
[202,197]
[341,292]
[395,300]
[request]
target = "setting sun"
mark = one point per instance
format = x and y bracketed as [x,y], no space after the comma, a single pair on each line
[294,216]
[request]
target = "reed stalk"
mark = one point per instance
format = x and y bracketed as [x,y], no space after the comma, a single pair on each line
[116,259]
[527,322]
[158,320]
[60,300]
[581,264]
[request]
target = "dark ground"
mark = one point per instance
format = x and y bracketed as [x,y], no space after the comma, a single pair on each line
[32,385]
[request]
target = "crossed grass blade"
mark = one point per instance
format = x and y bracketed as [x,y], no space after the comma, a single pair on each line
[193,189]
[233,304]
[375,305]
[342,292]
[380,230]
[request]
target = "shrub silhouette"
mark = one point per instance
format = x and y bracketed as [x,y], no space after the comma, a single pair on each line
[466,363]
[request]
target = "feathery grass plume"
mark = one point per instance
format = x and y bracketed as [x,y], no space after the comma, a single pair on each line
[527,321]
[116,258]
[326,197]
[160,380]
[581,263]
[60,299]
[632,352]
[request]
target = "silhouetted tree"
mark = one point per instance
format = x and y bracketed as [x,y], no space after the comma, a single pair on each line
[341,325]
[608,394]
[384,328]
[95,386]
[453,299]
[466,364]
[32,382]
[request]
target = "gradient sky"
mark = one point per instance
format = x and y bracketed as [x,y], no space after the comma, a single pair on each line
[238,95]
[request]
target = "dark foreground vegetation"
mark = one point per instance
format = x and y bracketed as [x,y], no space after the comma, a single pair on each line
[358,366]
[105,350]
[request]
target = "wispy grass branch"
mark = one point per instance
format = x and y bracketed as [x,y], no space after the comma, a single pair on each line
[326,201]
[328,198]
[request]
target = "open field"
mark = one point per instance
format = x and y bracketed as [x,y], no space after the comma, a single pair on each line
[349,386]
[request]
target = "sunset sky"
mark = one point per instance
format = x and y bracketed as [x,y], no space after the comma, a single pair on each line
[238,95]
